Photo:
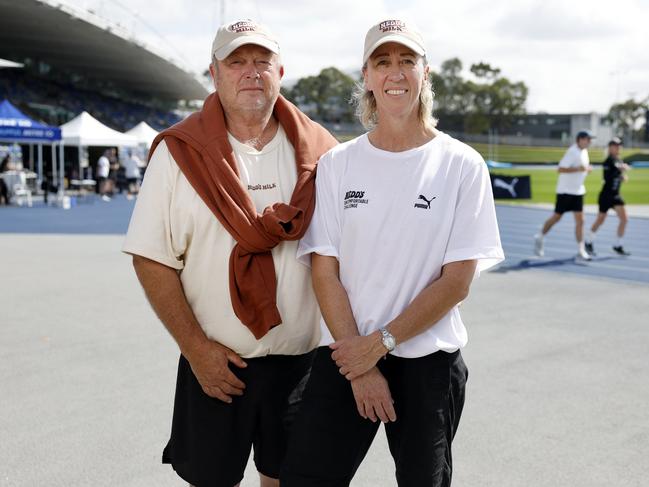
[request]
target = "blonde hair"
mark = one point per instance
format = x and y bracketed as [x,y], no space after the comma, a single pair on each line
[365,104]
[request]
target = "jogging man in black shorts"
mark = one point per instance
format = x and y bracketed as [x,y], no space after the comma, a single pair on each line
[614,174]
[573,169]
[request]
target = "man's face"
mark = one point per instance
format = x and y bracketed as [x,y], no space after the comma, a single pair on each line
[248,80]
[583,142]
[614,150]
[395,75]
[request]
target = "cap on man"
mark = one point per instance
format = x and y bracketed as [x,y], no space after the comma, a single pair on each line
[227,193]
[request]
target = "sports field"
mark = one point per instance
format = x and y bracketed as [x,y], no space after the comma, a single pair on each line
[634,191]
[520,154]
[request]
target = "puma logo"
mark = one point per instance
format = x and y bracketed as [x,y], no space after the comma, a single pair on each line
[428,202]
[499,183]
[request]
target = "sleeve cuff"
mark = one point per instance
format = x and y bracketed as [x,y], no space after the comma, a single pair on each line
[161,259]
[304,254]
[486,257]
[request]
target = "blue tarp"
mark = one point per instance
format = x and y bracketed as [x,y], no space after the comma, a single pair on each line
[496,164]
[15,126]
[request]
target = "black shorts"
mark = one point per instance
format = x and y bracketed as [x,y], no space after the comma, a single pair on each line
[330,439]
[211,440]
[100,182]
[608,200]
[569,202]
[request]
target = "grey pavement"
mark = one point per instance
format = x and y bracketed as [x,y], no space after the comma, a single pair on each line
[557,394]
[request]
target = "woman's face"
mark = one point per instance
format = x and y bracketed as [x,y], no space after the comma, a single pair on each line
[395,75]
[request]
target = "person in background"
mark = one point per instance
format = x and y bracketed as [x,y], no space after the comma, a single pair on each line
[132,165]
[573,169]
[4,190]
[103,170]
[614,172]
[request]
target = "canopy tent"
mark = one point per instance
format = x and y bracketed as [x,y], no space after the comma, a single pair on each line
[85,130]
[144,133]
[5,63]
[16,127]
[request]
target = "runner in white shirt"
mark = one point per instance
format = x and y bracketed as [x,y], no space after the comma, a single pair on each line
[404,221]
[573,169]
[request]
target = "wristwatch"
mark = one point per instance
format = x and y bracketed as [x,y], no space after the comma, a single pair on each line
[387,339]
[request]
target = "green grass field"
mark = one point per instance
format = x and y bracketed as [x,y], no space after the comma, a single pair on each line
[527,154]
[544,181]
[634,191]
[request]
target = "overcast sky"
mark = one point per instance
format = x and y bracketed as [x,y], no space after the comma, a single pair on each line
[574,55]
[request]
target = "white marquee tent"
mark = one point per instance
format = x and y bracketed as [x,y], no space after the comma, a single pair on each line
[144,133]
[84,130]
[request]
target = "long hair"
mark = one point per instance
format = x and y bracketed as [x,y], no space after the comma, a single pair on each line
[365,104]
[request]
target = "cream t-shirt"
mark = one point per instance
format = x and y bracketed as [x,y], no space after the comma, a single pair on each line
[172,225]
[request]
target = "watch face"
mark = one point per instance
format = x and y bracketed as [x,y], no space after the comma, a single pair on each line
[389,342]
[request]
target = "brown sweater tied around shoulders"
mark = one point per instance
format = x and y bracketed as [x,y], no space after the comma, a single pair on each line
[199,145]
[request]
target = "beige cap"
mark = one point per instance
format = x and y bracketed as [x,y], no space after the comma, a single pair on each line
[231,36]
[393,31]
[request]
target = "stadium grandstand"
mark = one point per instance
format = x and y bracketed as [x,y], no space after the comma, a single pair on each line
[58,60]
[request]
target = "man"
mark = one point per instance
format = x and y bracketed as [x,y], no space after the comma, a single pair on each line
[404,221]
[226,195]
[614,170]
[573,169]
[132,165]
[103,169]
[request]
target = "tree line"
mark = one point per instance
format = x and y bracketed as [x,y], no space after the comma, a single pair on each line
[477,103]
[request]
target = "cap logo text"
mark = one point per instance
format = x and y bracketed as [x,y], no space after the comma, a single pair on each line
[244,26]
[392,25]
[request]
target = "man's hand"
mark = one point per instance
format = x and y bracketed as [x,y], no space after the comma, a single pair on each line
[356,355]
[373,398]
[210,366]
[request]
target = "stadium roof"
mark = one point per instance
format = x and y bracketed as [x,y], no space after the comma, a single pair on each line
[67,38]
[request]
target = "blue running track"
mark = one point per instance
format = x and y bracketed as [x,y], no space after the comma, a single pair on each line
[517,227]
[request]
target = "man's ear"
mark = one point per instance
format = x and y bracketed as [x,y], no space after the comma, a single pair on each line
[213,74]
[281,72]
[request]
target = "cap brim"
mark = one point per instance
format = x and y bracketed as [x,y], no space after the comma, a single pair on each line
[226,50]
[404,41]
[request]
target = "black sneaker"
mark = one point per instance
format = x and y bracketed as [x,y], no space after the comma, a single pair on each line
[590,248]
[620,250]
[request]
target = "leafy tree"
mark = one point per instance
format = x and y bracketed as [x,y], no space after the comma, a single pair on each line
[475,106]
[627,116]
[325,96]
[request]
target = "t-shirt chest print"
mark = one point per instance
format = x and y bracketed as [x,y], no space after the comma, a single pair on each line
[354,198]
[257,187]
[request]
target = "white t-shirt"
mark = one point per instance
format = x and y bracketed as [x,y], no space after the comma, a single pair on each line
[172,225]
[393,219]
[103,167]
[132,167]
[573,182]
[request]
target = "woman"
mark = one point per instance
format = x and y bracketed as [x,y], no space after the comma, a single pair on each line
[404,220]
